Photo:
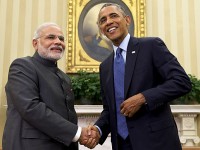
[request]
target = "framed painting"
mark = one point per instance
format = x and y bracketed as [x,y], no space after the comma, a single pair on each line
[86,47]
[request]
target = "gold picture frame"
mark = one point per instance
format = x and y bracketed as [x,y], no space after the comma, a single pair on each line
[82,32]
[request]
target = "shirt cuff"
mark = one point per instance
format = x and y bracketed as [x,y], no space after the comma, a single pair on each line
[99,129]
[78,134]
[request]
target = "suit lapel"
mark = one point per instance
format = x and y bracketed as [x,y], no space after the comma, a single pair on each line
[131,56]
[110,81]
[132,52]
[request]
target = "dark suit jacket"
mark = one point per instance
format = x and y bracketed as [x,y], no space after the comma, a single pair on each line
[153,71]
[40,113]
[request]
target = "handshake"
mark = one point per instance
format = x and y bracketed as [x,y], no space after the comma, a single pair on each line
[89,136]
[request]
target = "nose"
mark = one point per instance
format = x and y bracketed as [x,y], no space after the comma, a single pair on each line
[57,40]
[109,21]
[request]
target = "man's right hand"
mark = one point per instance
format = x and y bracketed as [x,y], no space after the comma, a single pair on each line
[89,137]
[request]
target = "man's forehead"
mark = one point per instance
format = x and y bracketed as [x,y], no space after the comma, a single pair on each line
[108,10]
[51,29]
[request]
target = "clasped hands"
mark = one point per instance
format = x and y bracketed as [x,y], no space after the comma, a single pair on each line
[89,136]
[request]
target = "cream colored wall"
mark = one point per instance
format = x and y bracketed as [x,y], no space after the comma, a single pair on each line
[175,21]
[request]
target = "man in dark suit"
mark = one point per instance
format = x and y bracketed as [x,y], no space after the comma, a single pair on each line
[151,78]
[40,113]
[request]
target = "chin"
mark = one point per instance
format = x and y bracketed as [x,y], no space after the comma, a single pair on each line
[55,57]
[113,37]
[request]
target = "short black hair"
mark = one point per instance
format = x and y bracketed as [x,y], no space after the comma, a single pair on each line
[116,5]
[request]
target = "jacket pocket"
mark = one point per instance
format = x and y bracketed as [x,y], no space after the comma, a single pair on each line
[160,125]
[31,133]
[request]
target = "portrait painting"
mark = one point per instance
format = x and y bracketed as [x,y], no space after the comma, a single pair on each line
[87,47]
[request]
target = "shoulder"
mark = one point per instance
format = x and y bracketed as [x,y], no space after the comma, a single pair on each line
[146,39]
[22,60]
[24,65]
[149,42]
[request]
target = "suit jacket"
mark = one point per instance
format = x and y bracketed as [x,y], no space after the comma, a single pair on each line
[40,113]
[153,71]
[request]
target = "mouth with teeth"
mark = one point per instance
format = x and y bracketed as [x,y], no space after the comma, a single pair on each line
[112,29]
[57,49]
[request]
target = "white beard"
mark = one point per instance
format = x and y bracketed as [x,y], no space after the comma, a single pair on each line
[47,53]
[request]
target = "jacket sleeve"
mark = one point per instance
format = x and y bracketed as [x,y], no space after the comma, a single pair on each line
[104,120]
[24,96]
[175,81]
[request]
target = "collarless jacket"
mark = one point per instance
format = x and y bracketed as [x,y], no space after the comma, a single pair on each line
[40,113]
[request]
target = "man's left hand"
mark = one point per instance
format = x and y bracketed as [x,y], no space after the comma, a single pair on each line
[130,106]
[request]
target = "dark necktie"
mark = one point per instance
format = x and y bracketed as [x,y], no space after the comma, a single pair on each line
[119,69]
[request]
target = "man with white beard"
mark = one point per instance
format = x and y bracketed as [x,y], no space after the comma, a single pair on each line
[40,113]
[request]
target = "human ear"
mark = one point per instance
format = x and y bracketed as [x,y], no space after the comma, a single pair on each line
[128,20]
[35,44]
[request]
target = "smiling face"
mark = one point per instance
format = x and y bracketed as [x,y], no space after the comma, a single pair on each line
[50,43]
[113,23]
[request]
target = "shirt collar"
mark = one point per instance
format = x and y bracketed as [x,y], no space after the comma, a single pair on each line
[124,43]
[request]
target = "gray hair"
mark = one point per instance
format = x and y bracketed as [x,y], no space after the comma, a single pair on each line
[41,27]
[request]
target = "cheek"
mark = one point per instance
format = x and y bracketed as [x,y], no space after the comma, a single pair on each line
[102,29]
[44,44]
[125,26]
[48,43]
[63,46]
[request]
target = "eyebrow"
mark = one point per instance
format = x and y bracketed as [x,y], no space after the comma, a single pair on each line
[113,13]
[108,15]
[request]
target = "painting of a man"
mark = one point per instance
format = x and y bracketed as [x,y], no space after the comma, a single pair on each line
[96,45]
